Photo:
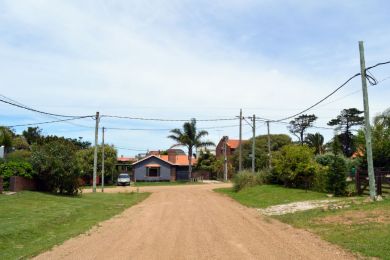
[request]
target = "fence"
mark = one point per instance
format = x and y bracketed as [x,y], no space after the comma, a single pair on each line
[382,181]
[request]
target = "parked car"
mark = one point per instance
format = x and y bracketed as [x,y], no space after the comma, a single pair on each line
[123,179]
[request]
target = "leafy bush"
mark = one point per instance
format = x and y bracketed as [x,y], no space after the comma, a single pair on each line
[56,165]
[13,168]
[295,166]
[351,189]
[19,156]
[248,179]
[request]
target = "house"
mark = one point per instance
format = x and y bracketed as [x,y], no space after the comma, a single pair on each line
[231,146]
[124,164]
[162,167]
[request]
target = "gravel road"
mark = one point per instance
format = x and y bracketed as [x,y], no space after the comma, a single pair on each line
[193,222]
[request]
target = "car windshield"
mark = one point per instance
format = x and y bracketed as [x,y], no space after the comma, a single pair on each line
[123,175]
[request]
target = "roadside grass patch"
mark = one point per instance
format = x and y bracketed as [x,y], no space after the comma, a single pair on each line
[32,222]
[361,228]
[263,196]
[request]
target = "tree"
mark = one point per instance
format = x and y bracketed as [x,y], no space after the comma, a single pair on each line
[261,150]
[347,119]
[85,160]
[33,135]
[56,166]
[299,125]
[20,143]
[190,138]
[316,141]
[6,136]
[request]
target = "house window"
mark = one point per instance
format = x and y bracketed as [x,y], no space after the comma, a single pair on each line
[153,172]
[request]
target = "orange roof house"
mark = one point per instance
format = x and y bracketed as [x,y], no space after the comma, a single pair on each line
[231,146]
[157,167]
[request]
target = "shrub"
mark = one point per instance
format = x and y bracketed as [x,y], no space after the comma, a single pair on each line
[13,168]
[248,179]
[19,155]
[56,165]
[336,172]
[295,166]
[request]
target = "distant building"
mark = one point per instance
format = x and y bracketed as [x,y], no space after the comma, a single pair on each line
[124,164]
[231,146]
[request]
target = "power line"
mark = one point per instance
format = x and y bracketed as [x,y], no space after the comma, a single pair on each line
[32,109]
[169,120]
[50,122]
[165,129]
[131,149]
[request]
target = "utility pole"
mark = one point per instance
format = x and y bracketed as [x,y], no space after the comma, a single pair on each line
[371,174]
[240,145]
[269,147]
[95,153]
[253,142]
[103,159]
[225,169]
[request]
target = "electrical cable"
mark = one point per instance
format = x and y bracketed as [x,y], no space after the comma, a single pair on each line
[50,122]
[168,120]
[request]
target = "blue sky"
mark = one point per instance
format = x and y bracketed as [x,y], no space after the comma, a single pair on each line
[184,59]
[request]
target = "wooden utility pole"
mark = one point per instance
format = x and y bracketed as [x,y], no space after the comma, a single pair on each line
[370,163]
[95,153]
[253,142]
[240,145]
[225,169]
[269,147]
[103,159]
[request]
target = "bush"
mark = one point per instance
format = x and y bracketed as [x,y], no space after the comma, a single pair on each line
[336,172]
[19,156]
[248,179]
[13,168]
[56,165]
[295,166]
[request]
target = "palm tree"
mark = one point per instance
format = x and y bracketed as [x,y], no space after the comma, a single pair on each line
[190,138]
[317,141]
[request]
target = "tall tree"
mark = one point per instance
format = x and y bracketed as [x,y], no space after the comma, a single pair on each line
[190,138]
[6,136]
[299,125]
[33,135]
[344,122]
[316,141]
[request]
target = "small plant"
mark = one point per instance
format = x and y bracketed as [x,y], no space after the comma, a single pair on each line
[248,179]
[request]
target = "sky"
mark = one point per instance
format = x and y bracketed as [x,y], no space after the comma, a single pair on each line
[186,59]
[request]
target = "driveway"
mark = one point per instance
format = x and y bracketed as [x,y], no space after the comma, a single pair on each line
[193,222]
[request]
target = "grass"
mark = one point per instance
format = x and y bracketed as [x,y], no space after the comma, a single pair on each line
[32,222]
[267,195]
[362,228]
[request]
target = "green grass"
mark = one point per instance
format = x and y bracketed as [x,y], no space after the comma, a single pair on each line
[267,195]
[32,222]
[163,183]
[363,228]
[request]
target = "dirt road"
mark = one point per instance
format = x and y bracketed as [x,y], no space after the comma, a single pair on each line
[193,222]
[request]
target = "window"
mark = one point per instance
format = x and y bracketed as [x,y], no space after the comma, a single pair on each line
[153,172]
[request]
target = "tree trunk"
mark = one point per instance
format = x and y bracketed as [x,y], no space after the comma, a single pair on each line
[189,163]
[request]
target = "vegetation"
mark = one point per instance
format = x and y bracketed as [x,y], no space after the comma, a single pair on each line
[32,222]
[300,124]
[347,119]
[262,196]
[261,151]
[315,141]
[56,165]
[249,179]
[15,168]
[190,138]
[361,228]
[294,166]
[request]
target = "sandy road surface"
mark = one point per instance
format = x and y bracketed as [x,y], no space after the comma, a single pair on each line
[193,222]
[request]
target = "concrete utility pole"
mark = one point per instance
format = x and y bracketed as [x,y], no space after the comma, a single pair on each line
[253,142]
[371,174]
[269,147]
[240,145]
[225,169]
[95,153]
[103,159]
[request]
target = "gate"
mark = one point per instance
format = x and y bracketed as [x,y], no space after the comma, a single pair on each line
[382,181]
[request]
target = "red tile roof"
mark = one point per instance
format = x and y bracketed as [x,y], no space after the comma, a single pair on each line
[233,143]
[126,159]
[181,159]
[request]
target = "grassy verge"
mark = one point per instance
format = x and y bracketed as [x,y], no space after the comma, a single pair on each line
[163,183]
[32,222]
[361,228]
[267,195]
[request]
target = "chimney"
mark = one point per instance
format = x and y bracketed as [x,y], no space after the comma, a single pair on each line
[172,156]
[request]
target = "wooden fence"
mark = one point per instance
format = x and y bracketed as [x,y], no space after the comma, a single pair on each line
[382,181]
